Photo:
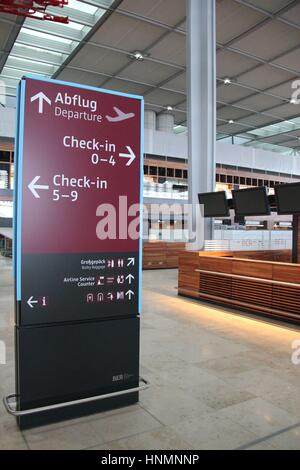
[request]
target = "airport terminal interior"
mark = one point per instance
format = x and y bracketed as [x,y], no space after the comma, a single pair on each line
[189,339]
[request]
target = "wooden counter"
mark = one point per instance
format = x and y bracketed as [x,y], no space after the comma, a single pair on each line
[261,282]
[161,255]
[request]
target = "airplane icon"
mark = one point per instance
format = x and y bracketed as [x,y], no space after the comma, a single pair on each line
[120,116]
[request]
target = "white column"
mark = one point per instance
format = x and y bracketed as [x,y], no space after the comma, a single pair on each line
[166,122]
[201,90]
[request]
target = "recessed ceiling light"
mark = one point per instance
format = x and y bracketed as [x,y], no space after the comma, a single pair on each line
[169,108]
[227,81]
[231,121]
[138,55]
[294,101]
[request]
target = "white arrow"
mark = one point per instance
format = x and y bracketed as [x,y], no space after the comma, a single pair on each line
[41,97]
[33,187]
[131,156]
[129,294]
[31,302]
[131,262]
[130,278]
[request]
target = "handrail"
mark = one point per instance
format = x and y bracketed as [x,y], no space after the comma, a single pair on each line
[7,401]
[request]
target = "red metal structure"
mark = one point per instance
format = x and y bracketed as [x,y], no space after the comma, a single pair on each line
[34,9]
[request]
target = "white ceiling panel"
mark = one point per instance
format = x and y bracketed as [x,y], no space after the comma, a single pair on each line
[287,110]
[180,118]
[233,19]
[230,64]
[182,106]
[99,59]
[270,41]
[276,139]
[70,75]
[257,120]
[171,49]
[291,60]
[270,5]
[127,33]
[293,15]
[258,104]
[229,112]
[231,93]
[147,72]
[231,128]
[293,134]
[264,77]
[5,30]
[285,90]
[164,98]
[125,87]
[292,143]
[178,83]
[159,10]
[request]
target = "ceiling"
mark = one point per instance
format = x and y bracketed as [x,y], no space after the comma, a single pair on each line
[258,49]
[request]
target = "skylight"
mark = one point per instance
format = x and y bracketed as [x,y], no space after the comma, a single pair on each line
[43,46]
[275,129]
[81,6]
[40,34]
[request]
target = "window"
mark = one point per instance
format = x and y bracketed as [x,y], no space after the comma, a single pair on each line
[4,156]
[153,170]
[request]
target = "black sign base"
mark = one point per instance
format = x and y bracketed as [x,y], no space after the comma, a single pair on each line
[75,412]
[93,358]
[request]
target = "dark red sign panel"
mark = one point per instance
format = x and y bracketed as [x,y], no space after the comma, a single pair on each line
[79,196]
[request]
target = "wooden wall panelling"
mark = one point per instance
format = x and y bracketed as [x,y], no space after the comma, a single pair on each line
[189,278]
[161,255]
[251,268]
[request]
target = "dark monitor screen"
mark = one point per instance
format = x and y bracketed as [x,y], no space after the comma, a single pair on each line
[215,204]
[288,198]
[251,202]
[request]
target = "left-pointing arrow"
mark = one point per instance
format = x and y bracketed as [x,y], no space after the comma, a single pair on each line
[33,187]
[31,302]
[41,97]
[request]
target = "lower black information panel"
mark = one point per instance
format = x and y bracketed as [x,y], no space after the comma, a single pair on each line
[68,362]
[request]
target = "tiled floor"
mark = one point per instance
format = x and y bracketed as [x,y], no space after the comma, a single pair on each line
[219,380]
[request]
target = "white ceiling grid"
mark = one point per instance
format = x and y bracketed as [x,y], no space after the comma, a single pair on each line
[258,48]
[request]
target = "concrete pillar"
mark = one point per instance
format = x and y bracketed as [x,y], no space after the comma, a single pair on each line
[165,122]
[201,90]
[150,119]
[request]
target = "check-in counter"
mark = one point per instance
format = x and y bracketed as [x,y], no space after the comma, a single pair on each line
[161,255]
[261,282]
